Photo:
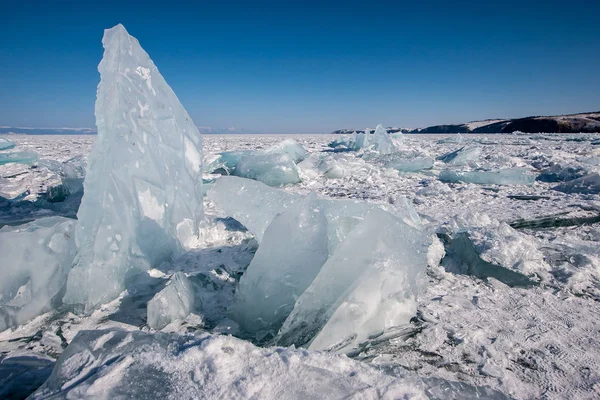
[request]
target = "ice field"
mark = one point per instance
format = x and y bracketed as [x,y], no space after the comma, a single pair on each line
[293,266]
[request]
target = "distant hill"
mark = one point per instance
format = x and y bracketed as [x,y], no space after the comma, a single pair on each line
[569,123]
[89,131]
[46,131]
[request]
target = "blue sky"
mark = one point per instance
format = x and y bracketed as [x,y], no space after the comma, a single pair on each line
[310,66]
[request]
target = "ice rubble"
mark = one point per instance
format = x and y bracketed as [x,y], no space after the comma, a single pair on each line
[143,189]
[37,258]
[352,266]
[291,254]
[508,176]
[6,144]
[175,302]
[22,157]
[114,364]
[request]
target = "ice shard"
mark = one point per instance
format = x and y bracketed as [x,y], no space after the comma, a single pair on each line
[273,169]
[174,302]
[588,184]
[143,187]
[252,203]
[509,176]
[412,164]
[462,156]
[6,144]
[293,250]
[21,157]
[291,148]
[382,141]
[368,285]
[36,258]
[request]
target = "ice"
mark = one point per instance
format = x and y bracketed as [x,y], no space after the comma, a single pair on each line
[143,188]
[252,203]
[6,144]
[174,302]
[275,166]
[293,250]
[273,169]
[361,140]
[588,184]
[412,164]
[227,161]
[509,176]
[21,157]
[382,142]
[114,364]
[462,156]
[291,148]
[36,260]
[368,285]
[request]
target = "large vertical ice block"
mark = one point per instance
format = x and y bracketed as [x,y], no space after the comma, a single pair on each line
[143,191]
[36,258]
[293,250]
[368,285]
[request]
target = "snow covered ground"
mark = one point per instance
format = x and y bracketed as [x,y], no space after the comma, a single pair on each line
[514,308]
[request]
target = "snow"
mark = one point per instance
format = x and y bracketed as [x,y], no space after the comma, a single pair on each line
[136,186]
[113,364]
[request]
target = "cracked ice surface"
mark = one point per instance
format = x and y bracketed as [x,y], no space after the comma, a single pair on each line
[143,185]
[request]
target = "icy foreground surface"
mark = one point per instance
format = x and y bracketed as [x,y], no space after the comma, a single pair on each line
[143,193]
[113,364]
[35,261]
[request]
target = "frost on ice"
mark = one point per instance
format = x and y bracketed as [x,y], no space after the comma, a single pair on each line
[34,268]
[143,180]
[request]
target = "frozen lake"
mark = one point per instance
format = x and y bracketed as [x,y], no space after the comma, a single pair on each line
[539,340]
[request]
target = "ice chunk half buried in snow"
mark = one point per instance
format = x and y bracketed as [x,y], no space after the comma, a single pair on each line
[143,191]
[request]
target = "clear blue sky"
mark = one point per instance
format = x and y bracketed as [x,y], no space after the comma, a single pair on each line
[310,66]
